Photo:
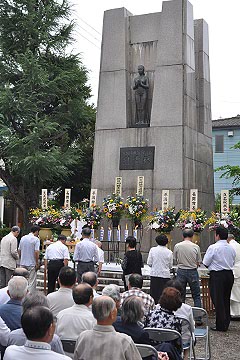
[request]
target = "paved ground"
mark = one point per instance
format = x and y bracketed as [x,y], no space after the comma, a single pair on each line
[226,346]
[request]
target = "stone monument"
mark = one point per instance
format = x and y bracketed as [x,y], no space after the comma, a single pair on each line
[154,120]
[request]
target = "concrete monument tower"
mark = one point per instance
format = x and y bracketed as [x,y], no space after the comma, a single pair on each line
[154,106]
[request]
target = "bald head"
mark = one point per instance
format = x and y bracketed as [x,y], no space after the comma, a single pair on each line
[82,294]
[90,278]
[21,272]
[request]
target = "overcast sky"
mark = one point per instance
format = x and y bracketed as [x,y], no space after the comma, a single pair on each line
[224,30]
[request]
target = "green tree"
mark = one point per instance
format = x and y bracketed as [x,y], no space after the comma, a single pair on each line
[46,124]
[232,171]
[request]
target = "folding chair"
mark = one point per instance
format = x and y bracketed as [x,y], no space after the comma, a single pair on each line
[147,350]
[202,332]
[68,345]
[186,326]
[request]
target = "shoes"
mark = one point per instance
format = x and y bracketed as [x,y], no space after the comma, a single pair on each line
[213,328]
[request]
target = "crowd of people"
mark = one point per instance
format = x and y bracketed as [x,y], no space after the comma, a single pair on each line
[110,324]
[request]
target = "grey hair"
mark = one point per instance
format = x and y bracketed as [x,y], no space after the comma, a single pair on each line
[113,291]
[15,228]
[102,306]
[132,309]
[17,287]
[34,299]
[231,236]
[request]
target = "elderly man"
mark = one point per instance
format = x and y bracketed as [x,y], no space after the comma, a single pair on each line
[56,256]
[90,278]
[8,255]
[103,339]
[72,321]
[18,337]
[4,297]
[219,259]
[134,288]
[11,311]
[62,299]
[29,254]
[235,294]
[39,327]
[86,253]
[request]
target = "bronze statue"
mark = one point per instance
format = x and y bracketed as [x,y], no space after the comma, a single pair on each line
[141,86]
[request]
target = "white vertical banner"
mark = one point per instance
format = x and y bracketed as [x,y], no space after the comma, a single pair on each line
[224,201]
[44,199]
[165,199]
[67,199]
[140,185]
[118,185]
[93,197]
[193,199]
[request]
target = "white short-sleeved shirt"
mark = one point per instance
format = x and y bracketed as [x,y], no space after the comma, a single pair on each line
[28,245]
[160,259]
[57,251]
[220,256]
[100,255]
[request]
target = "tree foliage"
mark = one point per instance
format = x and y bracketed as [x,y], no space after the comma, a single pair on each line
[232,171]
[46,124]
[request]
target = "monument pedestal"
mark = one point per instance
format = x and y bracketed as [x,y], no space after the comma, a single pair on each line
[174,151]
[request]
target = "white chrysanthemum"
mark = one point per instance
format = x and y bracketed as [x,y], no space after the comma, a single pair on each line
[155,225]
[224,223]
[188,226]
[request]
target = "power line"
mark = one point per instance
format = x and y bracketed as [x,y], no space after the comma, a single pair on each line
[88,39]
[89,33]
[89,25]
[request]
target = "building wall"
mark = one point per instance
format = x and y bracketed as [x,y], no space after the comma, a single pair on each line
[228,157]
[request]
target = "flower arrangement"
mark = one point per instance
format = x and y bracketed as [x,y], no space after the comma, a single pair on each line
[52,217]
[92,216]
[44,217]
[113,206]
[228,220]
[162,221]
[195,220]
[136,207]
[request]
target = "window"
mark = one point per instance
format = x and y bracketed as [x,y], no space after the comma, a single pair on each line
[219,143]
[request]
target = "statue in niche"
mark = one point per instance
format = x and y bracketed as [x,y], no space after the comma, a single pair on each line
[141,86]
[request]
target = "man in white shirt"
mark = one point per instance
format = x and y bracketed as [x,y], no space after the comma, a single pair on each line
[160,259]
[56,256]
[219,259]
[8,255]
[86,253]
[72,321]
[100,257]
[235,294]
[39,327]
[29,255]
[62,299]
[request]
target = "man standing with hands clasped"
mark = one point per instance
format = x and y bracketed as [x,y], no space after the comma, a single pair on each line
[188,258]
[219,259]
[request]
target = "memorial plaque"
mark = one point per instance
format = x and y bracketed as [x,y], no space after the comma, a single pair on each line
[137,158]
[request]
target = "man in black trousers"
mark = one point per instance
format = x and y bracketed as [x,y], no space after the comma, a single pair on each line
[56,256]
[219,259]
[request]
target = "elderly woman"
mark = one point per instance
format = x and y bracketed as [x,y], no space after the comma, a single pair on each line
[113,291]
[160,259]
[132,314]
[163,315]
